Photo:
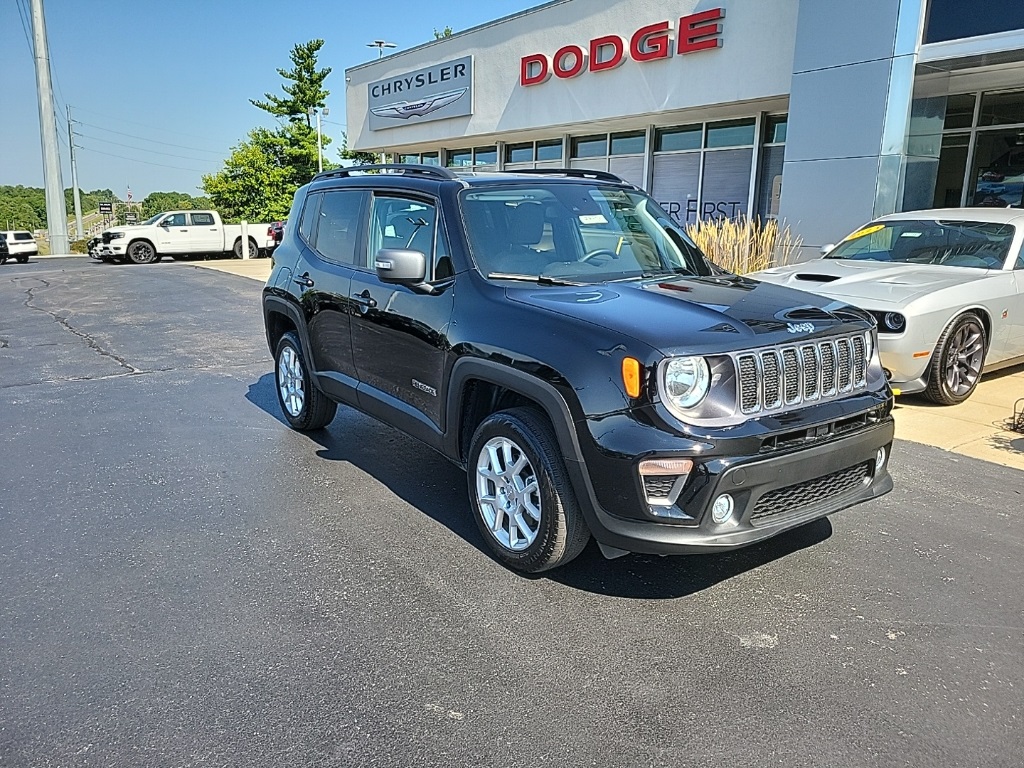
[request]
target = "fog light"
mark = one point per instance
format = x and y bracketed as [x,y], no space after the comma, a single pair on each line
[880,459]
[722,509]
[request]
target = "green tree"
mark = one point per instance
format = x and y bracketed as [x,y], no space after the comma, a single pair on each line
[446,32]
[305,86]
[361,158]
[158,202]
[260,177]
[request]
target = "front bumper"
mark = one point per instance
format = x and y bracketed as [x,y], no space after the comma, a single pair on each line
[771,494]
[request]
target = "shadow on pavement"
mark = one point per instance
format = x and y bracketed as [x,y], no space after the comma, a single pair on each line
[437,488]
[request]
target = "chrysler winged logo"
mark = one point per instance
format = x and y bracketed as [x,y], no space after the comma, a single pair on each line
[800,327]
[407,109]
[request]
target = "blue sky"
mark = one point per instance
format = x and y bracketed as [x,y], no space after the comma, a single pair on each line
[170,83]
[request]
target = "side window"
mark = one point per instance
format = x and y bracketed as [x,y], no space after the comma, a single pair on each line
[307,224]
[443,266]
[1020,258]
[337,231]
[174,220]
[202,219]
[398,222]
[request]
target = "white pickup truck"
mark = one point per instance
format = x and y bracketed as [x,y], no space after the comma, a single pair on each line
[178,234]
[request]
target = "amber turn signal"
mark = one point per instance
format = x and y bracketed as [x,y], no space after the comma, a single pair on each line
[631,376]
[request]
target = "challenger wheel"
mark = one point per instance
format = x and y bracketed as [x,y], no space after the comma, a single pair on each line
[304,406]
[958,361]
[523,502]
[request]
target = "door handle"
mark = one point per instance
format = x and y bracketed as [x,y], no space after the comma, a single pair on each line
[364,299]
[305,281]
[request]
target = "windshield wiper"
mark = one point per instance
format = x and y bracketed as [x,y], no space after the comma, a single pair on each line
[539,279]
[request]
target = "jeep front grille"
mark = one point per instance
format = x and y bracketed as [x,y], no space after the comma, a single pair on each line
[782,377]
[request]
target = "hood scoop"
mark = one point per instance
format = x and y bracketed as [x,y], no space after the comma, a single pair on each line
[809,314]
[814,278]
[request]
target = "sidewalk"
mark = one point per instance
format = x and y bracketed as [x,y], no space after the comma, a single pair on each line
[976,428]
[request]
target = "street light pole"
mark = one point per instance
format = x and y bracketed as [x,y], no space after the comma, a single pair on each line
[319,139]
[380,45]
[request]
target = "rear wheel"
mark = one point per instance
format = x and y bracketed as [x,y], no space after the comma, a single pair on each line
[523,502]
[21,259]
[141,252]
[254,250]
[304,406]
[958,360]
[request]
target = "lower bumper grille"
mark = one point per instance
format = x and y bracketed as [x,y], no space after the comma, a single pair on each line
[794,498]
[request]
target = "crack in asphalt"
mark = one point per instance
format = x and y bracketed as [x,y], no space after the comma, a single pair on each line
[137,372]
[89,340]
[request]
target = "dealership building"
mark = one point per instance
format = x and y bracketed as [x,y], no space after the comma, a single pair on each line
[823,114]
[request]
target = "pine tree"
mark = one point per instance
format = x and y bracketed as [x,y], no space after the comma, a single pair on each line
[305,86]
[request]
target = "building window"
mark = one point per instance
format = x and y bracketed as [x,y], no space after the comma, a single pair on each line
[430,158]
[953,20]
[632,143]
[590,146]
[550,149]
[414,159]
[519,153]
[981,155]
[460,158]
[679,138]
[485,156]
[773,155]
[775,129]
[730,133]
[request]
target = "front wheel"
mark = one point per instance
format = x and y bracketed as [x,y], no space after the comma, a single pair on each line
[958,360]
[523,502]
[254,250]
[141,252]
[304,406]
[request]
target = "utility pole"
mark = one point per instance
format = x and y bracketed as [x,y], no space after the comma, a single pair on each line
[79,232]
[56,209]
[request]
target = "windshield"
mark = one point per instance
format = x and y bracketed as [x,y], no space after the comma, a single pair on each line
[577,232]
[978,244]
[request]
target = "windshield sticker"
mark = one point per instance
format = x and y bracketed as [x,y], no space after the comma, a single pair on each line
[592,218]
[863,232]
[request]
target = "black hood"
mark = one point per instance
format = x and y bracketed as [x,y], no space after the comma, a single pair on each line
[679,315]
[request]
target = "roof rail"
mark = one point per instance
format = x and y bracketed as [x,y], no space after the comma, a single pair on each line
[407,169]
[579,173]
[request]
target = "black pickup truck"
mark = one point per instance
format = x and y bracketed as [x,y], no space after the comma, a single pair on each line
[557,335]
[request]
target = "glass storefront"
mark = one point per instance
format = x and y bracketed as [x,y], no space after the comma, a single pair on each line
[981,161]
[958,19]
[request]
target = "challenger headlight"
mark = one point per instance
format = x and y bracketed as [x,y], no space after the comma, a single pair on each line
[685,381]
[894,322]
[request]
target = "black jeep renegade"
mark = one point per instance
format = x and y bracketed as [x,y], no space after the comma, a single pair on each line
[557,335]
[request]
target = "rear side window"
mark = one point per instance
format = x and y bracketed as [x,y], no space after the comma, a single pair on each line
[202,219]
[22,236]
[337,230]
[307,224]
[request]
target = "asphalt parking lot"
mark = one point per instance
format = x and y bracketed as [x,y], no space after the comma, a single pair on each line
[188,582]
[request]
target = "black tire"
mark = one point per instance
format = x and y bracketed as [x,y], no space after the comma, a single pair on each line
[142,252]
[253,249]
[316,409]
[958,361]
[21,259]
[561,533]
[3,260]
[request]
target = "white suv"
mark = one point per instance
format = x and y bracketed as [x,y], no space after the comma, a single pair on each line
[20,243]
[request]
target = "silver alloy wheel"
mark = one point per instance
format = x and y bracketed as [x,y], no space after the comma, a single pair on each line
[291,382]
[964,358]
[508,496]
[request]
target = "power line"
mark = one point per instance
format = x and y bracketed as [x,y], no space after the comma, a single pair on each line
[141,149]
[152,141]
[144,125]
[23,13]
[135,160]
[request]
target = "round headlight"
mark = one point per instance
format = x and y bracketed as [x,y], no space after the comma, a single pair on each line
[894,322]
[687,381]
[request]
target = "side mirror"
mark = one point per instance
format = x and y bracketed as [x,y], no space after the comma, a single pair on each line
[826,248]
[165,223]
[399,266]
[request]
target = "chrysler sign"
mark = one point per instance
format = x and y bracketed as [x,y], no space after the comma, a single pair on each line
[432,93]
[696,32]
